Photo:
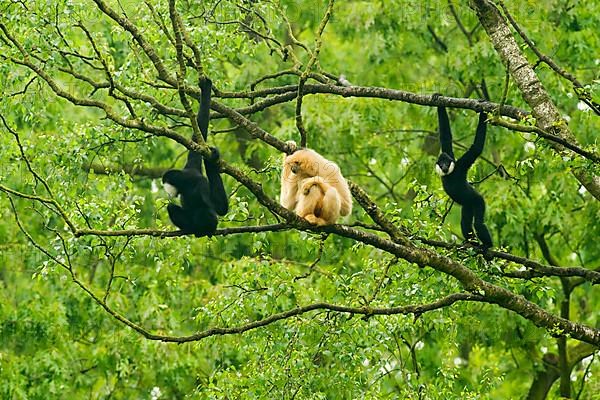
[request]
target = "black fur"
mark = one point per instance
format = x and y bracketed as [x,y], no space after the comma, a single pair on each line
[455,182]
[202,197]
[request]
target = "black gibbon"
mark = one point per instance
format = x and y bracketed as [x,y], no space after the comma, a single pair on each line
[314,188]
[201,198]
[454,178]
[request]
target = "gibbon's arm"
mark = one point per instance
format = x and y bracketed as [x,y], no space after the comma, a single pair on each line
[288,196]
[445,132]
[194,159]
[477,147]
[218,196]
[203,115]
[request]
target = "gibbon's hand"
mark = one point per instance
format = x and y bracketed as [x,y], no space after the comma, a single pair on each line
[480,109]
[214,156]
[436,96]
[290,147]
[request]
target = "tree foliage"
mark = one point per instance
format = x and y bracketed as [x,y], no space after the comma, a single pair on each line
[101,298]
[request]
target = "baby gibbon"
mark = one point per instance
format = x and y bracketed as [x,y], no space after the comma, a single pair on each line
[323,199]
[318,202]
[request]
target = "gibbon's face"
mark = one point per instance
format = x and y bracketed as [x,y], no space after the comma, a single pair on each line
[301,163]
[444,165]
[167,180]
[170,189]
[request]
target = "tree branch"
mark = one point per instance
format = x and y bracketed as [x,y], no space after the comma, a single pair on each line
[543,109]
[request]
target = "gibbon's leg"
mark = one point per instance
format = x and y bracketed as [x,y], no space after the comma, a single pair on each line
[180,218]
[482,231]
[466,222]
[205,222]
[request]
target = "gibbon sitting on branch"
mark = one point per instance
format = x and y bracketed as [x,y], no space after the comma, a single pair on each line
[314,188]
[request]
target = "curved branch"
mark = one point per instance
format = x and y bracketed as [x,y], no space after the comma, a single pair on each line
[159,233]
[417,310]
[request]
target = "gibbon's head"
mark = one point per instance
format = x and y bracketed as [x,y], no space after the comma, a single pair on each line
[308,163]
[444,165]
[173,180]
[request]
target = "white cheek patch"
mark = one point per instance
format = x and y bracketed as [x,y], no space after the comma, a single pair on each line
[438,170]
[451,168]
[170,189]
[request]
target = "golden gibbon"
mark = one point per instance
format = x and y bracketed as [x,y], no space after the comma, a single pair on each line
[314,188]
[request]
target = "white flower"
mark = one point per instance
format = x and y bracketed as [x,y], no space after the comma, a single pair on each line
[419,345]
[155,393]
[529,147]
[459,361]
[365,362]
[372,161]
[567,118]
[582,189]
[581,106]
[388,367]
[570,95]
[544,349]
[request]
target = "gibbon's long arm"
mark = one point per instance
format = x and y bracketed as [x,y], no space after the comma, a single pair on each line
[445,132]
[288,196]
[218,196]
[203,115]
[195,159]
[477,147]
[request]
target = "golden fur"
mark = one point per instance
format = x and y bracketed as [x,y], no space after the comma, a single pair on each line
[321,200]
[318,202]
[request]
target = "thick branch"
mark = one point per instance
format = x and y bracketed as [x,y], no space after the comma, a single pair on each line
[544,110]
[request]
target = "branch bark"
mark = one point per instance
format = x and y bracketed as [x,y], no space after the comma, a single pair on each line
[543,109]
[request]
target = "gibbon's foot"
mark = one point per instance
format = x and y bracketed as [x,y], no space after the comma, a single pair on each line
[480,110]
[486,254]
[436,96]
[469,243]
[313,219]
[484,251]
